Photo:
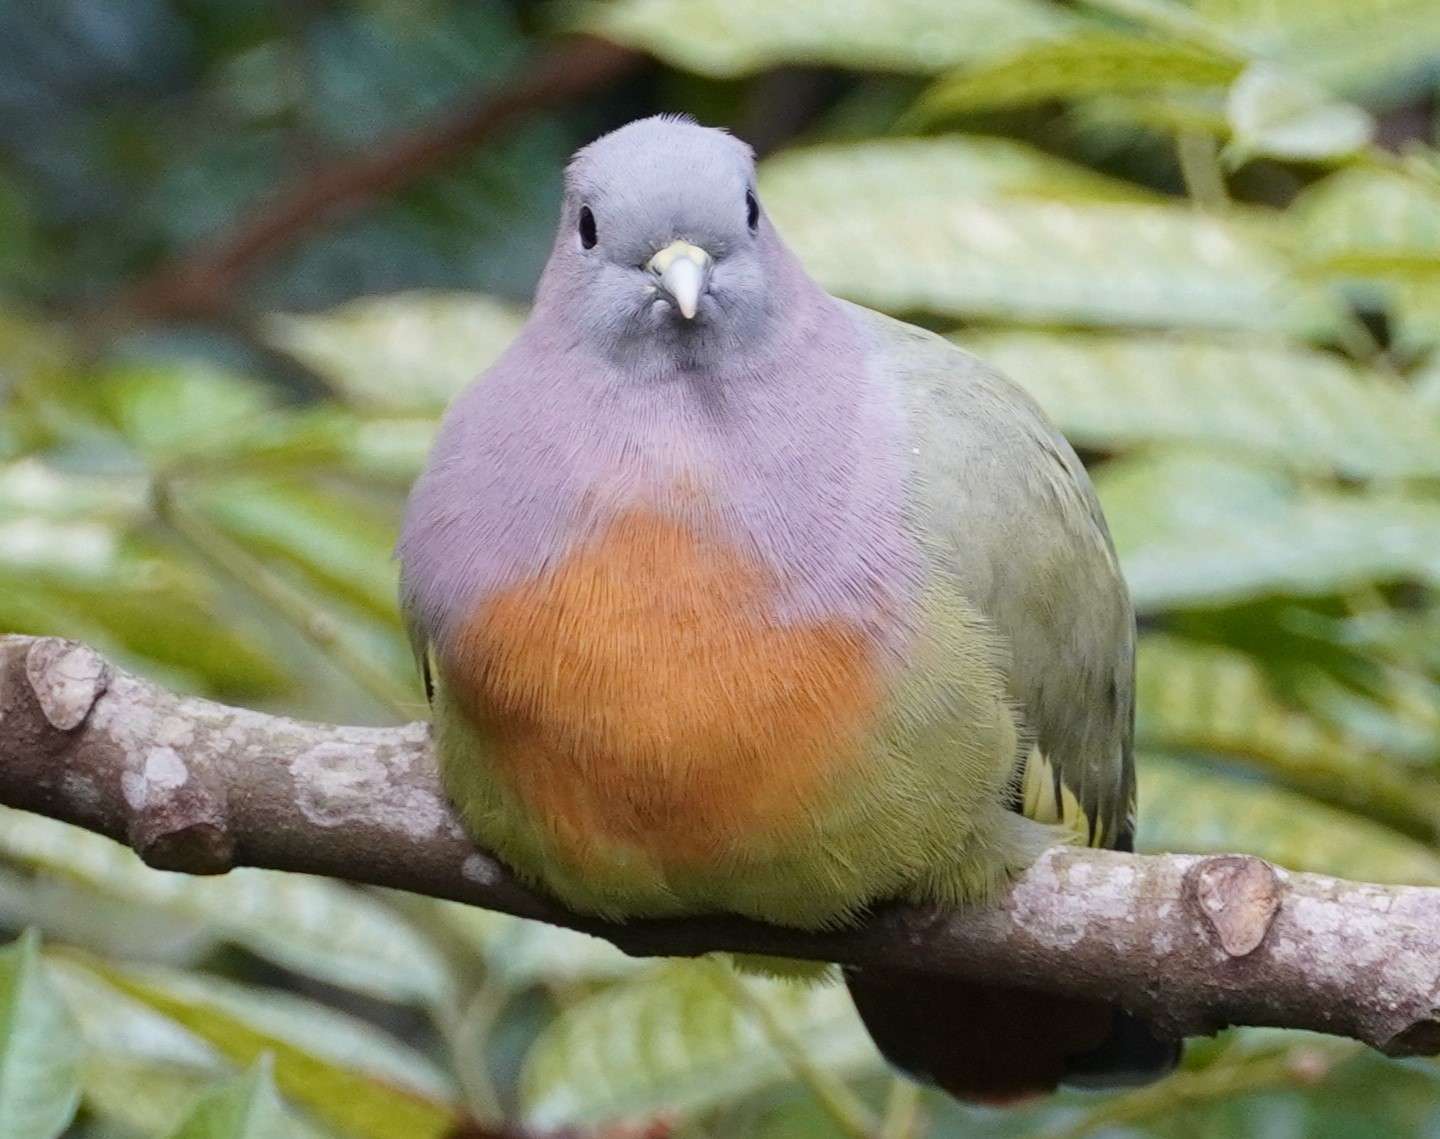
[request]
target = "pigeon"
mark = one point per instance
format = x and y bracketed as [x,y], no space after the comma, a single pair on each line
[732,597]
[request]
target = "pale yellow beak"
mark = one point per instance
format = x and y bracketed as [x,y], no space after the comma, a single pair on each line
[683,270]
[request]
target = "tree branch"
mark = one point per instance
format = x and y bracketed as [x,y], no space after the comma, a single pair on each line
[1194,943]
[199,284]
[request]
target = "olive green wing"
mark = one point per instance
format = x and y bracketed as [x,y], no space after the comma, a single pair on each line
[1005,505]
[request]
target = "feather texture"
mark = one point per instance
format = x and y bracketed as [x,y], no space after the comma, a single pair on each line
[781,610]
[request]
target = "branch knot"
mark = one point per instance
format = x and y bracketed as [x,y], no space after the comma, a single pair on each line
[67,678]
[1238,896]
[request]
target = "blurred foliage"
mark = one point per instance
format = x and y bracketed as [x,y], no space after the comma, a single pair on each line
[1206,237]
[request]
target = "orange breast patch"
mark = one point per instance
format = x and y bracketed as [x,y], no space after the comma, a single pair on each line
[635,695]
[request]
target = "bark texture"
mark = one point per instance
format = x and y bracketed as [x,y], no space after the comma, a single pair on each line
[1193,943]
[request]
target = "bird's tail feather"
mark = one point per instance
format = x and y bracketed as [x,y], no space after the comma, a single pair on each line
[999,1045]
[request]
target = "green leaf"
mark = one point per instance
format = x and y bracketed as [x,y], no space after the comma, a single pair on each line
[187,418]
[915,237]
[180,409]
[1351,661]
[335,1037]
[1427,386]
[1208,699]
[246,1107]
[83,550]
[69,912]
[1310,410]
[394,447]
[406,352]
[34,487]
[1364,219]
[1378,232]
[1113,120]
[143,1071]
[68,524]
[932,171]
[117,1024]
[40,1048]
[78,558]
[113,1024]
[671,1041]
[380,447]
[1278,115]
[314,925]
[159,621]
[1084,64]
[357,1103]
[136,1098]
[1382,46]
[739,37]
[518,953]
[340,542]
[1185,807]
[1200,530]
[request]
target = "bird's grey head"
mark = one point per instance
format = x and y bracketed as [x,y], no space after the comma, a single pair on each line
[664,253]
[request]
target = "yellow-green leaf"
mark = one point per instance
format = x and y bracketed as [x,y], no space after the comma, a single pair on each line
[1186,807]
[180,409]
[916,238]
[407,352]
[140,1098]
[246,1107]
[1310,410]
[1427,386]
[340,542]
[1280,115]
[1200,530]
[316,926]
[1378,231]
[1209,699]
[1111,119]
[931,171]
[1083,64]
[70,524]
[672,1041]
[1363,218]
[142,1070]
[40,1049]
[737,37]
[356,1103]
[115,1024]
[1347,45]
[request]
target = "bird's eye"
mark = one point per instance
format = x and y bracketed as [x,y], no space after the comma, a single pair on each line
[588,236]
[752,211]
